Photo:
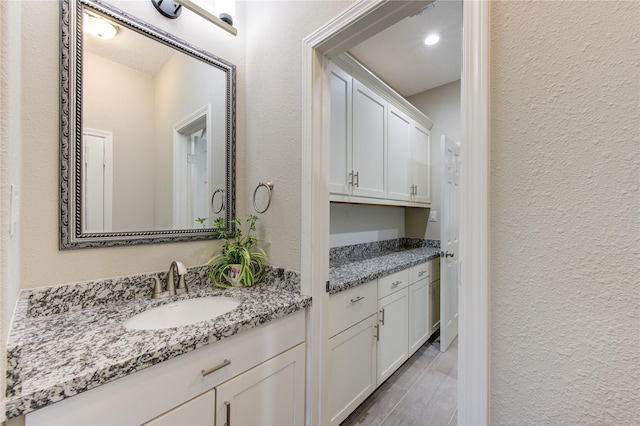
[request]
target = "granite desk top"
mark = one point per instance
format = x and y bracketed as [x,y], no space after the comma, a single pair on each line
[346,271]
[55,355]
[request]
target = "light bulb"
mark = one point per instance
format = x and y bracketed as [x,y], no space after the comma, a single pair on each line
[432,39]
[99,27]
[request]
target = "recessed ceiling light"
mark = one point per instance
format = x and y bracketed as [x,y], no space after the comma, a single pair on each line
[99,27]
[432,39]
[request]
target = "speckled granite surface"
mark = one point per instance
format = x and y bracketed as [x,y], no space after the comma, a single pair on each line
[350,266]
[68,339]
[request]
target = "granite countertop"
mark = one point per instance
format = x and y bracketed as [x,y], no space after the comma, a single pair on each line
[355,265]
[56,353]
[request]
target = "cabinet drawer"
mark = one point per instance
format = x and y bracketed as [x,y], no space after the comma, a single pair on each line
[419,272]
[351,306]
[392,283]
[435,269]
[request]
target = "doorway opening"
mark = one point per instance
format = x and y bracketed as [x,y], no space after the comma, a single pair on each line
[192,170]
[345,31]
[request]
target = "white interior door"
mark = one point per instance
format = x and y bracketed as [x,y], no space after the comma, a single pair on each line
[449,240]
[97,184]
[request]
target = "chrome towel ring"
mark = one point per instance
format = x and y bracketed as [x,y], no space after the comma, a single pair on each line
[221,191]
[269,186]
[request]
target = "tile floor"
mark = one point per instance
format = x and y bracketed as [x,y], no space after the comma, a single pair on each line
[423,391]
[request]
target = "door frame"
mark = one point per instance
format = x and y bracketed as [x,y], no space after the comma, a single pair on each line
[181,131]
[357,23]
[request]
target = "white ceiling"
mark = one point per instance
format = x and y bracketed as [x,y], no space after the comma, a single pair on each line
[400,58]
[131,49]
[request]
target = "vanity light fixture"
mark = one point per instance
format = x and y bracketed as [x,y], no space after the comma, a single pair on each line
[225,8]
[432,39]
[99,26]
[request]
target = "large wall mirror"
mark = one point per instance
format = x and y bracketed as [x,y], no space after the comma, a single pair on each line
[147,132]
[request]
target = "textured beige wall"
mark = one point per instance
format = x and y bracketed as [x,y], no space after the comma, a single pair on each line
[42,264]
[565,295]
[275,30]
[120,100]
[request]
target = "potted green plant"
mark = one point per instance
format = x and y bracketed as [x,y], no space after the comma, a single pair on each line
[238,262]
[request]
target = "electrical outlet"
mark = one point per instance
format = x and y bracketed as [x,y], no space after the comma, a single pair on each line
[433,216]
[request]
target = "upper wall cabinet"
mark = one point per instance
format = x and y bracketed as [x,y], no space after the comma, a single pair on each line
[358,118]
[380,143]
[421,163]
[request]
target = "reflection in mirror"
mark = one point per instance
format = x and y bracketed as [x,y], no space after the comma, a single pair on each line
[151,155]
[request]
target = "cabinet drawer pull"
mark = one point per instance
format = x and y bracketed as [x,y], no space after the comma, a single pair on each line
[377,336]
[382,312]
[216,368]
[356,179]
[357,299]
[228,404]
[350,178]
[395,283]
[421,273]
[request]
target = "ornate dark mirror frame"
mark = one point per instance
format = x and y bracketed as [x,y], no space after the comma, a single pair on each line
[71,235]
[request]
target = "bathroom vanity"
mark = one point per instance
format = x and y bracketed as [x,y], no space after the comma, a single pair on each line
[72,361]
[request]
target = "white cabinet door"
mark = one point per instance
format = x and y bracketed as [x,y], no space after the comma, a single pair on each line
[421,167]
[197,412]
[340,84]
[270,394]
[399,155]
[434,311]
[352,369]
[419,317]
[393,342]
[369,141]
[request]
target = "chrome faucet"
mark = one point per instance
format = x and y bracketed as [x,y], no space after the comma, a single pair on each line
[178,269]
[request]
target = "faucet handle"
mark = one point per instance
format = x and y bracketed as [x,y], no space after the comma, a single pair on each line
[182,284]
[157,287]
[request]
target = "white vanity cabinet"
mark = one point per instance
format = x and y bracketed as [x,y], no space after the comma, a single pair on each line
[419,304]
[393,304]
[352,349]
[260,367]
[197,412]
[271,394]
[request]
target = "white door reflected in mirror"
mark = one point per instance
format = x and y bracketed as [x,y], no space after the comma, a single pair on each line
[97,152]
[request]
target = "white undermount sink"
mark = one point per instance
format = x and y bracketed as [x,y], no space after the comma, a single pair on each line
[182,312]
